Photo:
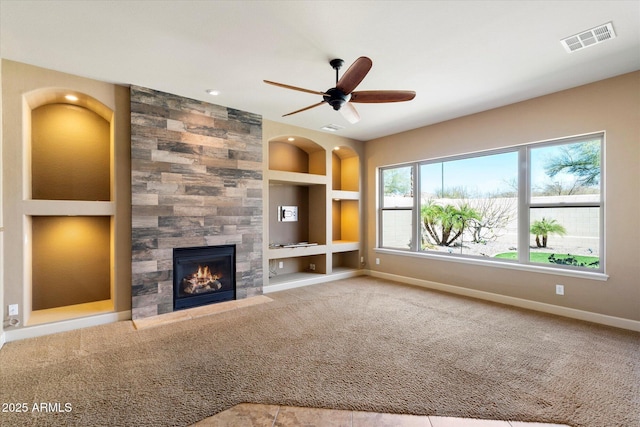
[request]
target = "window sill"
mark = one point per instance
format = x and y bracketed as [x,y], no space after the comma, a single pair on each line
[498,264]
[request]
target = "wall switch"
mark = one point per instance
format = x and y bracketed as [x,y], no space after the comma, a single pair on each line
[378,261]
[13,309]
[281,264]
[362,260]
[559,289]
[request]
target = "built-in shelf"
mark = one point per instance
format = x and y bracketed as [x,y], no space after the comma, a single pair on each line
[69,208]
[295,178]
[76,311]
[344,246]
[324,184]
[299,279]
[280,253]
[345,195]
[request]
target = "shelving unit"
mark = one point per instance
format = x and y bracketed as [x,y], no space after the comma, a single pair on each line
[323,182]
[70,209]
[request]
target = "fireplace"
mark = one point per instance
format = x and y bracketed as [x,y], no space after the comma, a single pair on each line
[203,275]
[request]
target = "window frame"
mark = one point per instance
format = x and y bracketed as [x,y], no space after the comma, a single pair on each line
[383,208]
[524,207]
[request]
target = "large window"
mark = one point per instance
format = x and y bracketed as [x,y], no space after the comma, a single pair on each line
[537,204]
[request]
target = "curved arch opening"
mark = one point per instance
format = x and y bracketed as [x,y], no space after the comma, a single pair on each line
[68,176]
[293,153]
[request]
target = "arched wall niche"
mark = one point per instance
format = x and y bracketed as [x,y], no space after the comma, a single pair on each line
[294,153]
[57,95]
[68,146]
[68,187]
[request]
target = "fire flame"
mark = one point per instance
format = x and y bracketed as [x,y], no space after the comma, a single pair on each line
[201,281]
[204,275]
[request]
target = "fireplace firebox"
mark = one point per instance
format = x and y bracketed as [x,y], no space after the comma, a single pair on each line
[203,275]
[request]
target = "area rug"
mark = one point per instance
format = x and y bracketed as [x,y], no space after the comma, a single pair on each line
[358,344]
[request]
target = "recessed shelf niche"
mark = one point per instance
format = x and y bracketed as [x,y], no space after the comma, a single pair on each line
[69,206]
[70,157]
[300,155]
[345,169]
[346,220]
[311,224]
[70,260]
[323,181]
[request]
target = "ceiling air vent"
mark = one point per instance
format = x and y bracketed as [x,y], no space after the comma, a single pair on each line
[332,127]
[589,38]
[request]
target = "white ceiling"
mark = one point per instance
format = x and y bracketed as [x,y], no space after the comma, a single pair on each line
[461,57]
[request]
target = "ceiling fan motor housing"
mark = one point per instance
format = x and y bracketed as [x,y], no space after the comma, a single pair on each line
[336,98]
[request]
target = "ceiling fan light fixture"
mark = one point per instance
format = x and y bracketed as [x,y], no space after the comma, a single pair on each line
[341,97]
[336,98]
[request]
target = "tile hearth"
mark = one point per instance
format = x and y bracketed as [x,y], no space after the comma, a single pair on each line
[194,313]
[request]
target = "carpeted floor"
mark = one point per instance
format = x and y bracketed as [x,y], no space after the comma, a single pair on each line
[358,344]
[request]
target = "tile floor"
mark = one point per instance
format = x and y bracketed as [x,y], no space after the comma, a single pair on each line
[255,415]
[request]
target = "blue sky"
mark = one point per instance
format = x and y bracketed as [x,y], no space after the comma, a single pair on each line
[490,174]
[487,174]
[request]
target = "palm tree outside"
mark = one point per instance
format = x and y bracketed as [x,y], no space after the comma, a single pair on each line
[445,224]
[543,228]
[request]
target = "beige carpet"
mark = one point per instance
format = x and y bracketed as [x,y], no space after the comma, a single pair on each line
[358,344]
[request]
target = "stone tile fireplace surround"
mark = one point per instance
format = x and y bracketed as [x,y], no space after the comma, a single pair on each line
[196,180]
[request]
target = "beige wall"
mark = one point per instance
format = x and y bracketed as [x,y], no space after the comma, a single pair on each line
[20,82]
[612,105]
[3,308]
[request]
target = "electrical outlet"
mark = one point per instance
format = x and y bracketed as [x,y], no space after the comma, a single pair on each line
[559,289]
[312,267]
[281,264]
[378,261]
[362,260]
[13,309]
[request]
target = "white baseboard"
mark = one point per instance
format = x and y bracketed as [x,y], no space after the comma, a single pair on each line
[65,325]
[2,338]
[572,313]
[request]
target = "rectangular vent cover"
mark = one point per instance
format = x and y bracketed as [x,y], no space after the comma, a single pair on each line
[589,38]
[332,127]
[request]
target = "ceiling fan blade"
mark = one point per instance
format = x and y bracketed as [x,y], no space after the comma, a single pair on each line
[354,75]
[315,92]
[375,96]
[304,109]
[349,112]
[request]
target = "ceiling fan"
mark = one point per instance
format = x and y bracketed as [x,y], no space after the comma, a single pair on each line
[342,95]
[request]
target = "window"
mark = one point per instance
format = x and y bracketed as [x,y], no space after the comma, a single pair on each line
[397,207]
[565,202]
[536,204]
